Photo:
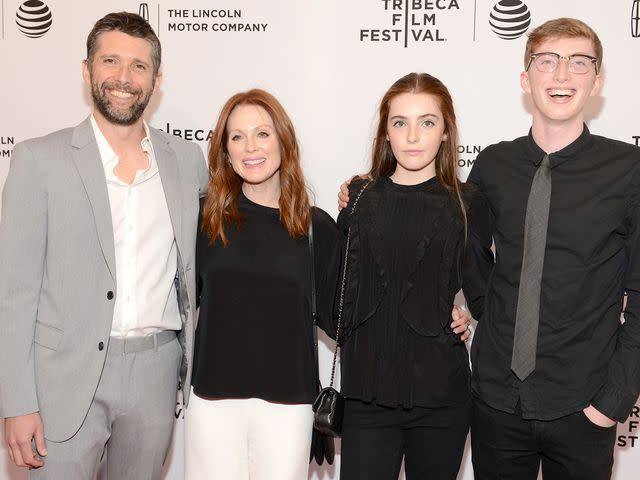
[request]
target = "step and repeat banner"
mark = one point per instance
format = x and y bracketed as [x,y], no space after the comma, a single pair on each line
[329,63]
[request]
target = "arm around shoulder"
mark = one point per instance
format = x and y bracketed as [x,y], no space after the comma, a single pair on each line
[479,260]
[355,186]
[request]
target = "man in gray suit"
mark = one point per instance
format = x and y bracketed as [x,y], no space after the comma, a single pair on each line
[97,242]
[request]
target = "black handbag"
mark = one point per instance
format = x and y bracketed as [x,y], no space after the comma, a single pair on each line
[328,411]
[328,408]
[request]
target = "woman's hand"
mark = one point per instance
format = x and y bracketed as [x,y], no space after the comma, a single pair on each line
[461,324]
[343,195]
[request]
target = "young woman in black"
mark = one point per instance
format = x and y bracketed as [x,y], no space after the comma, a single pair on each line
[405,367]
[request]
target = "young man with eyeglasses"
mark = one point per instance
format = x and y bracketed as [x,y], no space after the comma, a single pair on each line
[554,368]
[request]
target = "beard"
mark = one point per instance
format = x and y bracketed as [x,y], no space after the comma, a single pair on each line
[115,115]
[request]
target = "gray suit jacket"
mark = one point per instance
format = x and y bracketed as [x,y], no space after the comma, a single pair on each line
[57,264]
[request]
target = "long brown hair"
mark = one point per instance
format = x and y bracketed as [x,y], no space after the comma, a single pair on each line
[383,163]
[220,206]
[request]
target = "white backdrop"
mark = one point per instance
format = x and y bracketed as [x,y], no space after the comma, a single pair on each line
[329,62]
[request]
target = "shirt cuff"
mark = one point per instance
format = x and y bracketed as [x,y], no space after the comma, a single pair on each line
[614,403]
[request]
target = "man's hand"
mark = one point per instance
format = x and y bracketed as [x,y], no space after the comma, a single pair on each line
[343,195]
[461,324]
[597,418]
[19,432]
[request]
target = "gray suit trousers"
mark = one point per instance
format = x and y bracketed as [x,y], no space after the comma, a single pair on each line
[127,430]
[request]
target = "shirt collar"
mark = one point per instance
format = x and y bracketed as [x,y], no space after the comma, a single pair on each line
[109,157]
[536,154]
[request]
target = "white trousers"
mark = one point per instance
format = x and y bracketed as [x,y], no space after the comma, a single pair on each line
[246,439]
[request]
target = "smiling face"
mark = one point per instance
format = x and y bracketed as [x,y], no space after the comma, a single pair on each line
[253,146]
[121,77]
[559,97]
[415,130]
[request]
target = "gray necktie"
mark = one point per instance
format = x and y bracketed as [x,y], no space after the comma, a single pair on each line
[525,338]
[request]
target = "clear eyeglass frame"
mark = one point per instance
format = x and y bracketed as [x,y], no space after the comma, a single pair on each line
[547,62]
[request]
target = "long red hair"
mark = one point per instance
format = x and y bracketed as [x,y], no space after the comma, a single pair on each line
[220,206]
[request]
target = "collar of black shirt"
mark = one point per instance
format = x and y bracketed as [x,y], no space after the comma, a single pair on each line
[536,154]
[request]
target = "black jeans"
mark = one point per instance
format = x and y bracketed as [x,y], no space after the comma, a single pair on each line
[375,438]
[505,446]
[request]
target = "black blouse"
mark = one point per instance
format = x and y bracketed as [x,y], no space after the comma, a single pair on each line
[254,337]
[405,264]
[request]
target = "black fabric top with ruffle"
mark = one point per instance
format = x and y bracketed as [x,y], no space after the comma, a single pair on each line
[404,267]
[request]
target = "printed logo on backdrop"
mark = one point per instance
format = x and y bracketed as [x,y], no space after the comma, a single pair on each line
[34,18]
[509,19]
[189,20]
[143,11]
[191,134]
[467,155]
[636,140]
[635,19]
[6,146]
[410,22]
[628,432]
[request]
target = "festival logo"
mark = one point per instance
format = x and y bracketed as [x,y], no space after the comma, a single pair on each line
[411,21]
[635,19]
[509,19]
[191,134]
[34,18]
[629,432]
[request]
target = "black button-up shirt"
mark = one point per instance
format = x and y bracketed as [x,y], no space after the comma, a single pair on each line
[585,355]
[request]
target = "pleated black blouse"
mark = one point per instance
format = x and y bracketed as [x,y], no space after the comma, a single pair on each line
[405,265]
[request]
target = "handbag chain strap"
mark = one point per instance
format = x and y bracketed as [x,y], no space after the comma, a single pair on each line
[343,286]
[314,312]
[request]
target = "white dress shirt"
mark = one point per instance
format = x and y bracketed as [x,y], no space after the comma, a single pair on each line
[145,247]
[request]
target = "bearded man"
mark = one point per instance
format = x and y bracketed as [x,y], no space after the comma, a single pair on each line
[97,242]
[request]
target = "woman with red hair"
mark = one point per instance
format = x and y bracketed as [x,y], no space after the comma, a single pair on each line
[254,377]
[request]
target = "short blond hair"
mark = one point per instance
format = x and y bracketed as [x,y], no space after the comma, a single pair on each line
[562,28]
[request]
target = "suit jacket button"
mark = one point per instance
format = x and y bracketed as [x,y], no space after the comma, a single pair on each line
[101,346]
[109,295]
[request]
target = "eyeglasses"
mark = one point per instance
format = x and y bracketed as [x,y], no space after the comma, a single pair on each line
[547,62]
